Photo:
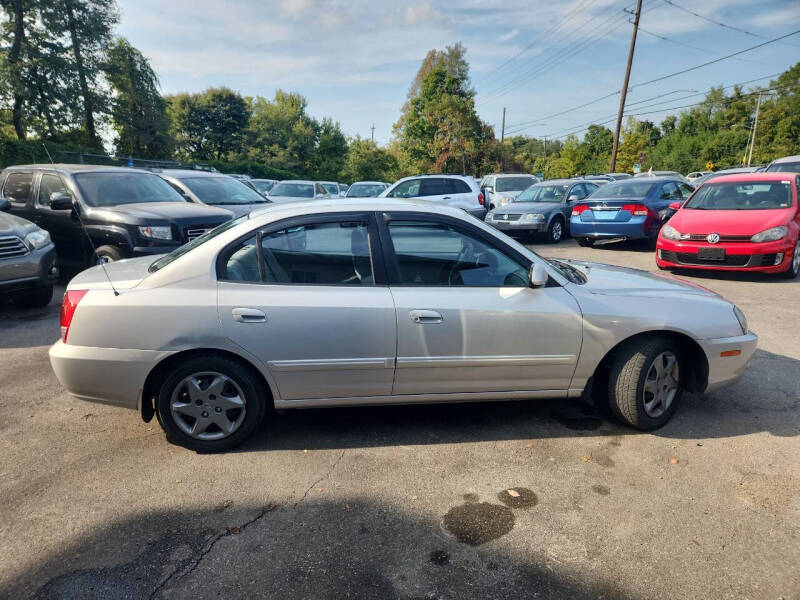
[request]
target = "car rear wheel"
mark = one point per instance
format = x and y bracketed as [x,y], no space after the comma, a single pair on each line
[210,404]
[37,297]
[646,382]
[585,242]
[794,266]
[556,231]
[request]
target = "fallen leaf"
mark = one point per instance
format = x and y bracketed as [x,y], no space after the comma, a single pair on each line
[587,457]
[270,507]
[174,531]
[177,481]
[413,497]
[234,530]
[513,493]
[223,506]
[529,445]
[673,461]
[319,489]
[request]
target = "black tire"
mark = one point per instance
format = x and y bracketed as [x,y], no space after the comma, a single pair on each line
[251,388]
[38,297]
[106,254]
[794,266]
[585,242]
[626,381]
[555,233]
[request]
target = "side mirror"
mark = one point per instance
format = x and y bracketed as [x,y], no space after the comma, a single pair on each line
[675,206]
[61,202]
[488,188]
[538,275]
[573,198]
[5,205]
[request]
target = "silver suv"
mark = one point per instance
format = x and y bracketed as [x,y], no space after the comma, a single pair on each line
[458,191]
[500,189]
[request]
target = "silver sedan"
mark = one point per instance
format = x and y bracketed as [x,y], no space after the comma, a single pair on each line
[342,303]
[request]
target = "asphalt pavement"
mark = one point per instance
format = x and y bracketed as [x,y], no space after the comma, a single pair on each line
[538,499]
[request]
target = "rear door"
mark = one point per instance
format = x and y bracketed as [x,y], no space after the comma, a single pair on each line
[436,189]
[467,319]
[308,297]
[462,195]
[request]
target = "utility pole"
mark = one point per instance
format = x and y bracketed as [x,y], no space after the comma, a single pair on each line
[372,134]
[755,124]
[624,92]
[503,139]
[544,146]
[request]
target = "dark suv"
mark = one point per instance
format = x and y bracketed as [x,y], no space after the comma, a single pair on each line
[125,212]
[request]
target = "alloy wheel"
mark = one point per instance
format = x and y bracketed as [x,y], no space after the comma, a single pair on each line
[661,384]
[796,259]
[557,231]
[208,405]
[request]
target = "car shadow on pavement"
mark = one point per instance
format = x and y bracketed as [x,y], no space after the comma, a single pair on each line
[310,548]
[766,399]
[742,276]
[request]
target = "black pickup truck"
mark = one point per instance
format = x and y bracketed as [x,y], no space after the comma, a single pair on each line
[100,214]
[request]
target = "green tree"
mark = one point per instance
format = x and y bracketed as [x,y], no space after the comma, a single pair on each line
[13,65]
[138,111]
[208,125]
[366,161]
[331,149]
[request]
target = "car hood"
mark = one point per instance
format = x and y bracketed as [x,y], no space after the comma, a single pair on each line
[290,198]
[148,213]
[241,209]
[14,225]
[613,280]
[528,207]
[729,222]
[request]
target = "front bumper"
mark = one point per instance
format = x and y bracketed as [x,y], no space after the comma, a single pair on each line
[739,256]
[725,370]
[37,268]
[518,225]
[107,375]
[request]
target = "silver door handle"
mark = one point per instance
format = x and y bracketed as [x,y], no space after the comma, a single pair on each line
[425,316]
[248,315]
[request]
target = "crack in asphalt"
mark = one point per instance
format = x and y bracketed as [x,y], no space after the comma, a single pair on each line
[209,546]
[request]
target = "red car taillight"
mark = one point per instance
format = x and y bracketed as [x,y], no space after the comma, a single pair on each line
[480,199]
[68,306]
[639,210]
[577,210]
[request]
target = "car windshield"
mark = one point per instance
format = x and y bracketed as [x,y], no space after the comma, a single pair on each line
[264,186]
[222,190]
[331,188]
[542,193]
[115,188]
[365,190]
[785,167]
[513,184]
[753,195]
[624,189]
[295,190]
[198,241]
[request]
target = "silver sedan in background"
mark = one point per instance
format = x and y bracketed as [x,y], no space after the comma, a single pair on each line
[343,303]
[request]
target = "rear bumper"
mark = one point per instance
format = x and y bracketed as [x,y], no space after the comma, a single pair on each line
[37,268]
[107,375]
[633,230]
[725,370]
[738,257]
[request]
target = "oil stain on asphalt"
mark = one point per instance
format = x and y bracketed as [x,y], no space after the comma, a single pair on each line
[476,523]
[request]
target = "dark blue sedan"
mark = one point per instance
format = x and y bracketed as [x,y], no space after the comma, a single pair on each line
[629,209]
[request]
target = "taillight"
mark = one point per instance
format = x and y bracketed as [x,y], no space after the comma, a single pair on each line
[639,210]
[577,210]
[480,199]
[68,306]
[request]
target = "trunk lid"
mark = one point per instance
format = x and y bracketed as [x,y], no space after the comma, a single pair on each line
[126,274]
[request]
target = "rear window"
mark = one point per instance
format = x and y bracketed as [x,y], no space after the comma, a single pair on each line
[113,189]
[784,167]
[199,241]
[295,190]
[513,184]
[222,190]
[624,189]
[365,190]
[755,195]
[18,187]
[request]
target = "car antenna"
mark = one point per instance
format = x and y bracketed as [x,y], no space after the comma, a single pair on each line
[48,153]
[94,249]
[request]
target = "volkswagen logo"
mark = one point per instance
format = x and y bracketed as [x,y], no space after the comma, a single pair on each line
[713,238]
[505,217]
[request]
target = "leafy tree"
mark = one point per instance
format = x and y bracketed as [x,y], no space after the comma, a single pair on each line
[366,161]
[208,125]
[138,111]
[329,154]
[13,67]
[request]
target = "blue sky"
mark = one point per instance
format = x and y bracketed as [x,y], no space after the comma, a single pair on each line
[354,60]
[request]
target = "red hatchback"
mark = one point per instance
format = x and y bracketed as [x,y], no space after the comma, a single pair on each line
[742,222]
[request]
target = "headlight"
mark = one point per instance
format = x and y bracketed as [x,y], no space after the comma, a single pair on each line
[670,233]
[38,238]
[504,200]
[156,232]
[770,235]
[489,215]
[741,318]
[531,218]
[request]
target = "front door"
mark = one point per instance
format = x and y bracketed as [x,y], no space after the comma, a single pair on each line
[308,298]
[467,318]
[63,225]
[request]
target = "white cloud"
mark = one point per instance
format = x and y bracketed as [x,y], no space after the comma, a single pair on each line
[420,14]
[781,17]
[510,35]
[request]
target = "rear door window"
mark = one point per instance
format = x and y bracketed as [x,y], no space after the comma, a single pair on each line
[434,186]
[18,187]
[460,187]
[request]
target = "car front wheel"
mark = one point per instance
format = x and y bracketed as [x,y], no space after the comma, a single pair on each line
[794,266]
[556,231]
[646,382]
[210,404]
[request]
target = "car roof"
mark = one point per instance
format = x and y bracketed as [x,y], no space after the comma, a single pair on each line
[785,159]
[263,179]
[751,177]
[308,207]
[70,168]
[186,173]
[299,181]
[367,183]
[562,181]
